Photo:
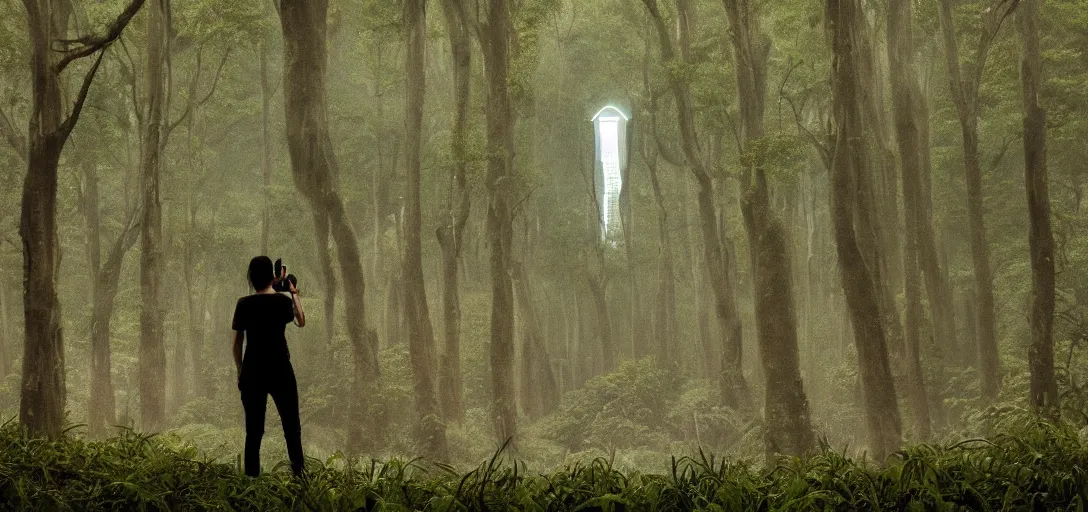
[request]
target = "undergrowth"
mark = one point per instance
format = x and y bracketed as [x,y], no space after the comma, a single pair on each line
[1037,466]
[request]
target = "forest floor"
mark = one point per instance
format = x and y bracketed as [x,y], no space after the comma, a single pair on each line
[1037,467]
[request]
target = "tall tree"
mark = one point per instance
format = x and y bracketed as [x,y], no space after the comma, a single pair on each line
[847,162]
[101,407]
[1044,389]
[314,166]
[539,390]
[494,37]
[907,110]
[788,426]
[734,389]
[152,368]
[665,326]
[451,232]
[878,224]
[42,397]
[964,85]
[432,431]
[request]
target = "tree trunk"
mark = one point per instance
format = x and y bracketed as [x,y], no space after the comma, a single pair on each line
[878,224]
[603,327]
[42,401]
[42,392]
[906,96]
[1044,390]
[965,97]
[314,166]
[152,366]
[495,42]
[849,160]
[540,394]
[178,385]
[788,426]
[665,327]
[735,391]
[451,233]
[636,333]
[432,431]
[101,407]
[196,323]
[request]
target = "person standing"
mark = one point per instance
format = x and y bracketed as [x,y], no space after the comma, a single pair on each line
[260,320]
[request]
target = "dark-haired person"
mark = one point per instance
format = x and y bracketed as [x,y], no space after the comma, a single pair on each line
[260,320]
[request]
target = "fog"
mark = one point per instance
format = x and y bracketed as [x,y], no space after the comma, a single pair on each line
[570,228]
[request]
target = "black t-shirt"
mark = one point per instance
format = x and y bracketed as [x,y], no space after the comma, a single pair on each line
[264,317]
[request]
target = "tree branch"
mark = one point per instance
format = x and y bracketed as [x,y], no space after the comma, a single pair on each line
[1001,153]
[191,107]
[90,44]
[66,127]
[131,75]
[821,147]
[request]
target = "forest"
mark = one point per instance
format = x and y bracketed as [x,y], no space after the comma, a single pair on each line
[555,254]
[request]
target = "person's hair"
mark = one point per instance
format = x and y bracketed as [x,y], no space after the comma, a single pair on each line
[260,272]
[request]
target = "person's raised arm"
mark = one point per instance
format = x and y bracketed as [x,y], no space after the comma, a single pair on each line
[300,315]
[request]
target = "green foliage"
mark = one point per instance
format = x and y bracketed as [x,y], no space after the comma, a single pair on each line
[1033,466]
[618,410]
[783,156]
[644,406]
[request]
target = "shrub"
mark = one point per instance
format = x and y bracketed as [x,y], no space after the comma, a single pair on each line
[1036,466]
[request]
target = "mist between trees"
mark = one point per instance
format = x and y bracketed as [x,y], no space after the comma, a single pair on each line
[858,221]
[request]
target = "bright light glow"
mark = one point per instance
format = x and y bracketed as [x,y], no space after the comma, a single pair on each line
[613,109]
[610,165]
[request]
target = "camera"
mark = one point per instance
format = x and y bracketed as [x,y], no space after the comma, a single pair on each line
[283,283]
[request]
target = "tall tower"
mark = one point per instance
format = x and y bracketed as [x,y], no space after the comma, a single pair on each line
[610,128]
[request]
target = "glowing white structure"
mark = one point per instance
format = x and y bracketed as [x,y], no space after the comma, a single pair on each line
[610,128]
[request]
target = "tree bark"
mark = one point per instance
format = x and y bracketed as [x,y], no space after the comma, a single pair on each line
[788,426]
[41,407]
[101,407]
[193,288]
[965,97]
[540,394]
[878,223]
[665,325]
[636,333]
[495,42]
[432,431]
[848,161]
[1044,389]
[314,166]
[906,97]
[42,392]
[451,233]
[735,391]
[152,366]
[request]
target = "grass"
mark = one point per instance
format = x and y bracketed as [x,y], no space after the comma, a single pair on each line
[1034,467]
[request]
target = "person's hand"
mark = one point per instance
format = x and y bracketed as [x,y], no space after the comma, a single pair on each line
[291,286]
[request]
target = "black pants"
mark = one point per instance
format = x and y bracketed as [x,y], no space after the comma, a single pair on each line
[284,393]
